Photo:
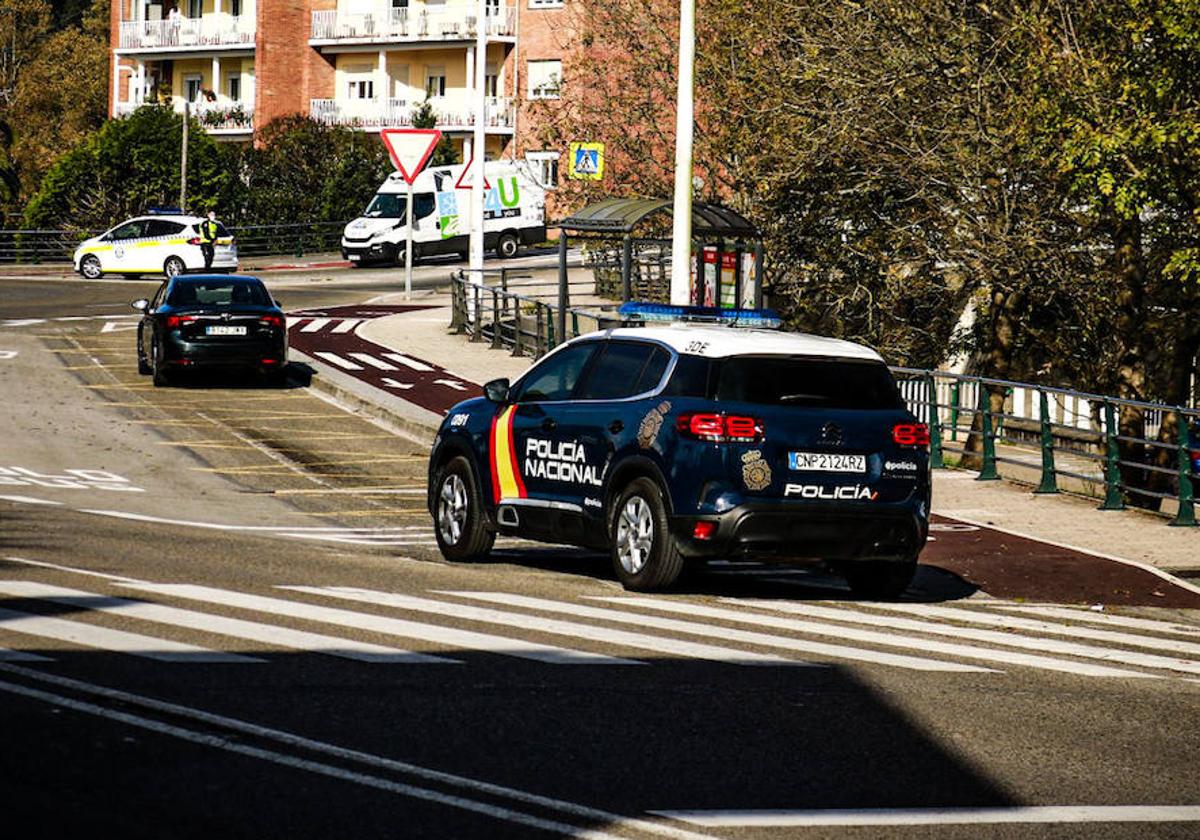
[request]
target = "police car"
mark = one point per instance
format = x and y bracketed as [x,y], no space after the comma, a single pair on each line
[669,443]
[167,244]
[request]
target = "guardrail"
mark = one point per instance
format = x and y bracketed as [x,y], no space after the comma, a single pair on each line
[1041,434]
[57,246]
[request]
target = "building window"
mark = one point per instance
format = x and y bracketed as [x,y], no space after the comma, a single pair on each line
[491,81]
[361,89]
[235,8]
[195,8]
[233,86]
[545,79]
[435,81]
[191,87]
[545,168]
[545,4]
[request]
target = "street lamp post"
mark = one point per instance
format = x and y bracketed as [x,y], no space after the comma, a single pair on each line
[477,144]
[681,233]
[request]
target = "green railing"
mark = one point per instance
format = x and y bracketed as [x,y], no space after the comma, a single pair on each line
[1052,437]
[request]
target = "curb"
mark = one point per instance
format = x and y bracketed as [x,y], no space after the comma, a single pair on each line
[411,421]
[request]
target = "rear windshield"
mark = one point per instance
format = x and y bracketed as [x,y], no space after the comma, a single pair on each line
[814,382]
[218,293]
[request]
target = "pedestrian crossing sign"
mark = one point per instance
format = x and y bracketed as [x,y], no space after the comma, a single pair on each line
[586,161]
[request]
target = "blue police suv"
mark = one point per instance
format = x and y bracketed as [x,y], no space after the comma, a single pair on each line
[665,444]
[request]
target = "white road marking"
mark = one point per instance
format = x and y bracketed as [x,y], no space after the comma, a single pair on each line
[450,383]
[1067,814]
[367,358]
[1087,616]
[117,326]
[347,324]
[238,628]
[992,655]
[697,629]
[658,644]
[104,638]
[22,322]
[344,364]
[29,500]
[383,624]
[294,741]
[315,324]
[407,362]
[1044,645]
[392,383]
[1033,626]
[5,355]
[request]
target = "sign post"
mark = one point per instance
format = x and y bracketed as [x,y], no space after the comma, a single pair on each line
[409,149]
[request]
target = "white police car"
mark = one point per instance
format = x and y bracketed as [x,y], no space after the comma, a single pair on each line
[167,244]
[664,444]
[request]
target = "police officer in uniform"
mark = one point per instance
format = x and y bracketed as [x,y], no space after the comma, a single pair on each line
[208,238]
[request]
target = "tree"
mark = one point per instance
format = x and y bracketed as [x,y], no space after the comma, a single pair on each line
[423,116]
[23,25]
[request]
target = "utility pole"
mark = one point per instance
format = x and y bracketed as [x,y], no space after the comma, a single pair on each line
[187,113]
[478,144]
[681,232]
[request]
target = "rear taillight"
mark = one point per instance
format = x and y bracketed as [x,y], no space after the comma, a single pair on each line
[720,428]
[271,321]
[911,434]
[176,321]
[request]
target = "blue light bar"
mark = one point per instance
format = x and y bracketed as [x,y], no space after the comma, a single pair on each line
[634,312]
[163,211]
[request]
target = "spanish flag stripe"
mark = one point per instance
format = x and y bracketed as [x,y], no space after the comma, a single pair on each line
[506,476]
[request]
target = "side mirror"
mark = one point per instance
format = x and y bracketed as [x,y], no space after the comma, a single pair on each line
[496,391]
[140,305]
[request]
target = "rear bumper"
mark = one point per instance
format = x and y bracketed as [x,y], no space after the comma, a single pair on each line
[825,532]
[270,354]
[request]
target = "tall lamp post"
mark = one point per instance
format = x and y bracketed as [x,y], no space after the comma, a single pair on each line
[479,140]
[681,233]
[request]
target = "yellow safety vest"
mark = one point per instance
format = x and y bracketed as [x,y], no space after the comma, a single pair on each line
[208,231]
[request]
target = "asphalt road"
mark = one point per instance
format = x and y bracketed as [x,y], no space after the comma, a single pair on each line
[224,615]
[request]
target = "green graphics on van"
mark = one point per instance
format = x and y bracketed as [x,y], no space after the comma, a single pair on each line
[501,201]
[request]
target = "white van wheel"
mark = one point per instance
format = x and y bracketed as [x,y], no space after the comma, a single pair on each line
[507,245]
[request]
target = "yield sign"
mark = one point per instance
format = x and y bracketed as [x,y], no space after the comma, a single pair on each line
[466,179]
[410,148]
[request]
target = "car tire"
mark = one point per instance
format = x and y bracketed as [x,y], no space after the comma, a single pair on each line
[644,553]
[157,370]
[458,521]
[174,266]
[880,580]
[90,268]
[507,246]
[143,365]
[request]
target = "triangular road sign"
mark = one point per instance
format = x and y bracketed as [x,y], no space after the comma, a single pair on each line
[465,180]
[410,148]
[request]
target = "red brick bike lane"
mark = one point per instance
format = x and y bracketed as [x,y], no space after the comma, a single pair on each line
[1009,566]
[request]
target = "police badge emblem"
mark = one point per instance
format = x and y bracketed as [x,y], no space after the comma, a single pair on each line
[755,471]
[651,424]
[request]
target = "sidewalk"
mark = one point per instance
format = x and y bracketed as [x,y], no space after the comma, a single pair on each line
[1066,520]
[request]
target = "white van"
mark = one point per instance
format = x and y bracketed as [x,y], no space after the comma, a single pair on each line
[514,214]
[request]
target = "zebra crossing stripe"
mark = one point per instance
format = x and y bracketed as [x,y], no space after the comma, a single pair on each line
[1055,646]
[728,633]
[1087,616]
[407,362]
[347,324]
[10,655]
[334,358]
[367,358]
[104,638]
[238,628]
[314,325]
[658,644]
[382,624]
[889,639]
[1011,623]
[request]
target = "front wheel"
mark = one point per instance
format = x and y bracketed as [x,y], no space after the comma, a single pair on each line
[173,267]
[880,580]
[90,268]
[458,521]
[645,555]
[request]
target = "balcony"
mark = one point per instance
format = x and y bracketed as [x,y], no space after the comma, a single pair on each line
[188,34]
[217,118]
[453,113]
[413,25]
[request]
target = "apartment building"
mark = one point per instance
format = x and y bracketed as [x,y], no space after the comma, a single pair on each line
[359,63]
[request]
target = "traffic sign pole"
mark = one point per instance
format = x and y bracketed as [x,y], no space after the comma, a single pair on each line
[408,256]
[409,149]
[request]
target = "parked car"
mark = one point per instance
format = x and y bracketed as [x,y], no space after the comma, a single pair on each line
[207,321]
[158,244]
[666,444]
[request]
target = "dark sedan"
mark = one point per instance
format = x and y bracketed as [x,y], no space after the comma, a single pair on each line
[199,321]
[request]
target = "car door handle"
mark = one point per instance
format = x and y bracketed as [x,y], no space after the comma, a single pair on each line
[616,426]
[549,424]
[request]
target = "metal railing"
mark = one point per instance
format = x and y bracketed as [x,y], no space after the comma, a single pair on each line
[450,22]
[1118,450]
[451,113]
[523,324]
[206,31]
[57,246]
